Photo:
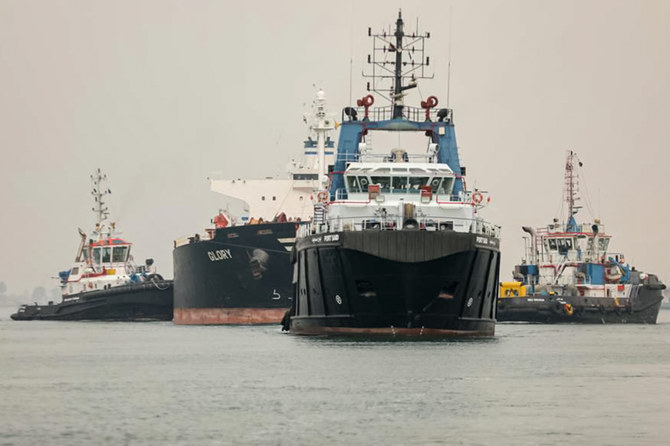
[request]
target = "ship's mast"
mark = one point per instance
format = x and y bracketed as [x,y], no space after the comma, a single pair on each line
[99,192]
[322,125]
[412,69]
[571,188]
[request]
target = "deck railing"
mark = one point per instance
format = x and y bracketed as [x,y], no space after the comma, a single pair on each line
[409,113]
[392,222]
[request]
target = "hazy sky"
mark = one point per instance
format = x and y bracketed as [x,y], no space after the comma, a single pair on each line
[161,94]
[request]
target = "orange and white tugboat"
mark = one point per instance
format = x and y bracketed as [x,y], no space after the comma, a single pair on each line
[104,283]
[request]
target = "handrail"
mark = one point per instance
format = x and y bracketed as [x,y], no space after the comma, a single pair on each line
[385,113]
[390,223]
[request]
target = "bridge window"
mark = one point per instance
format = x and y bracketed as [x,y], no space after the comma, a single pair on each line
[96,256]
[106,254]
[384,183]
[552,244]
[363,182]
[603,243]
[435,184]
[415,183]
[400,184]
[446,186]
[564,244]
[305,176]
[352,184]
[119,254]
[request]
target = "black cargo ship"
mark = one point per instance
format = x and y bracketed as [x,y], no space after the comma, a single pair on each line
[399,248]
[240,276]
[239,272]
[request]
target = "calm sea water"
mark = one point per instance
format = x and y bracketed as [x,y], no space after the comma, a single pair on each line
[82,383]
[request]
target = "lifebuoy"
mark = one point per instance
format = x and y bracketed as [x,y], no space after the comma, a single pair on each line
[322,197]
[477,197]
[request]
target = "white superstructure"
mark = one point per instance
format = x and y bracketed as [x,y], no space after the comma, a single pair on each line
[294,195]
[394,192]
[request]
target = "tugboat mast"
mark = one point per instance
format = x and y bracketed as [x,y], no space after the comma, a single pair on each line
[571,189]
[99,191]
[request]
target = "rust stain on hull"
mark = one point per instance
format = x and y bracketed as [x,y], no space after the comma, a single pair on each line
[228,316]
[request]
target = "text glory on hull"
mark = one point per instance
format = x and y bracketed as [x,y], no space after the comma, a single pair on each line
[568,274]
[104,283]
[239,272]
[397,247]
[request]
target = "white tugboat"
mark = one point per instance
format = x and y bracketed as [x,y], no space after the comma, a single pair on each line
[104,283]
[397,245]
[569,275]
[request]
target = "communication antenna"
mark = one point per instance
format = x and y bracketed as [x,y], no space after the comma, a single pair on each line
[99,192]
[351,54]
[571,190]
[451,16]
[388,63]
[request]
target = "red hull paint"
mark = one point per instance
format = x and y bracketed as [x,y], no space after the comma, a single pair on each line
[389,331]
[228,316]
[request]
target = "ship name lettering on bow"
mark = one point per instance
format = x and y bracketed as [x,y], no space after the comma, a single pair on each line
[219,254]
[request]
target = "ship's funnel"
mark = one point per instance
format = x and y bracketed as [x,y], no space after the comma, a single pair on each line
[529,230]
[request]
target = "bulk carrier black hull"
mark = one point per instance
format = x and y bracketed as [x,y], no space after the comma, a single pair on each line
[241,276]
[148,301]
[405,282]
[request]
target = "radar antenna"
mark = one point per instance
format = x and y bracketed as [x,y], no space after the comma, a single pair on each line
[397,43]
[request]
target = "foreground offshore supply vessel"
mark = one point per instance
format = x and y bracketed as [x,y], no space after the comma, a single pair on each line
[568,274]
[398,247]
[104,283]
[239,272]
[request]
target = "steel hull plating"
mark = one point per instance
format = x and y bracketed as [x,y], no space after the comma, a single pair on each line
[149,301]
[396,283]
[643,308]
[242,276]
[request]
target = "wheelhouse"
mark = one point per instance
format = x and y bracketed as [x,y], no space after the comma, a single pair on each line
[399,178]
[108,252]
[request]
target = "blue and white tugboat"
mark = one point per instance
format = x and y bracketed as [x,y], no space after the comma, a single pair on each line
[397,246]
[568,274]
[104,283]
